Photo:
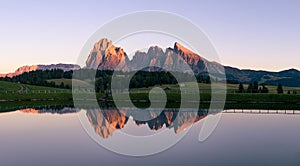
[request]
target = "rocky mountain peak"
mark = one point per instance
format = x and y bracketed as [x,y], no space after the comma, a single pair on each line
[180,48]
[177,46]
[154,49]
[103,44]
[106,56]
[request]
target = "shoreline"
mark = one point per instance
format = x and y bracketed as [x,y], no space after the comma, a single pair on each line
[13,105]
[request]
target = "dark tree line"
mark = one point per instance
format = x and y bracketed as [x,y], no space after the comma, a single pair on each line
[279,89]
[253,88]
[103,78]
[140,79]
[256,88]
[203,79]
[147,79]
[40,78]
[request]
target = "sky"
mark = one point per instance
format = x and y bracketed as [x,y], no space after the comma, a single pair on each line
[255,34]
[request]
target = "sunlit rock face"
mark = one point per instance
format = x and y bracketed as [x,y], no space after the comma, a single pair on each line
[26,69]
[106,56]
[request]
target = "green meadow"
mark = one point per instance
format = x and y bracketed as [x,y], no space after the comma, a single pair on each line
[10,92]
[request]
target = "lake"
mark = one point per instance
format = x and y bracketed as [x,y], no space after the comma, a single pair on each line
[56,136]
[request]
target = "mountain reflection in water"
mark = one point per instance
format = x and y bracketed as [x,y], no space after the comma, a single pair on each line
[106,121]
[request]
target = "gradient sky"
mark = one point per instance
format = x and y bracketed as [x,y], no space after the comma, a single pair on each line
[256,34]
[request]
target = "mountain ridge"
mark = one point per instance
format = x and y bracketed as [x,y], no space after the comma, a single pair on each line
[29,68]
[172,59]
[106,56]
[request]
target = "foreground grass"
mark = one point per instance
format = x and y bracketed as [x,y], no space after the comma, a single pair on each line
[35,96]
[279,98]
[8,86]
[238,98]
[171,97]
[68,82]
[15,87]
[205,88]
[43,88]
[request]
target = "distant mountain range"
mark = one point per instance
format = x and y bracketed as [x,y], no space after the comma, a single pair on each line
[106,56]
[24,69]
[289,77]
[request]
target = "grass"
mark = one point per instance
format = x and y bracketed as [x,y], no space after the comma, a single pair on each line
[9,86]
[22,92]
[68,82]
[205,88]
[40,93]
[42,88]
[278,98]
[238,98]
[35,96]
[12,106]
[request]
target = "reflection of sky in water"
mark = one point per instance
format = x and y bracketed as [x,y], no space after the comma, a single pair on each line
[240,139]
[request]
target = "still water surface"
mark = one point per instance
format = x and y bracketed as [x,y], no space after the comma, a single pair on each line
[56,137]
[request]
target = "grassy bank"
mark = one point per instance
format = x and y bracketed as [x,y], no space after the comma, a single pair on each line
[13,106]
[238,98]
[35,96]
[172,97]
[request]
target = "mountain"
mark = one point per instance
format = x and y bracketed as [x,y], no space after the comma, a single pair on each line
[106,56]
[24,69]
[289,77]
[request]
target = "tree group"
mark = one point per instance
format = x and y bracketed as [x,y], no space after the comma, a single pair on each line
[253,88]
